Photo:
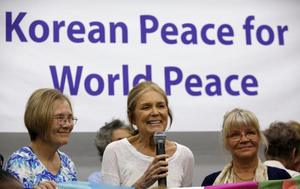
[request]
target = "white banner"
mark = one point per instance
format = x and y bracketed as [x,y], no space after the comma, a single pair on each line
[209,57]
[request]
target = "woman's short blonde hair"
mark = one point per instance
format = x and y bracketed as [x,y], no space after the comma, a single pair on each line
[39,111]
[137,91]
[241,118]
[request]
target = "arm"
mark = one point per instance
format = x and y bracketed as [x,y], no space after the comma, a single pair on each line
[20,168]
[110,168]
[188,168]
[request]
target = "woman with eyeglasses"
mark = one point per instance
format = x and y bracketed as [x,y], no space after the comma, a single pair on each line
[49,120]
[242,138]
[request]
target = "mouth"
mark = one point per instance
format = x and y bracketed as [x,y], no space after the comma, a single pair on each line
[154,122]
[245,147]
[64,133]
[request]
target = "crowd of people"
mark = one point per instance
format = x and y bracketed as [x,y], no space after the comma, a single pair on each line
[127,152]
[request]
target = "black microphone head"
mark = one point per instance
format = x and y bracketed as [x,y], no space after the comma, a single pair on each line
[159,137]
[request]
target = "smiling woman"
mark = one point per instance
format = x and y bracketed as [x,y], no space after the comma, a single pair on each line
[242,138]
[49,120]
[133,161]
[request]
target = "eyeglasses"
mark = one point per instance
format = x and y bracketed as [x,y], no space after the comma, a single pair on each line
[62,119]
[237,135]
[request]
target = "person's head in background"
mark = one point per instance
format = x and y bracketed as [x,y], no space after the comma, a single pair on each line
[284,145]
[49,117]
[296,126]
[148,91]
[7,181]
[111,131]
[241,128]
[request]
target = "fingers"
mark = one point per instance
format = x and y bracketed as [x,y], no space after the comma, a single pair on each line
[156,170]
[159,170]
[46,185]
[159,167]
[160,157]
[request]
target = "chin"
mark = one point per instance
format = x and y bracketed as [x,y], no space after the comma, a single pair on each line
[158,129]
[61,143]
[246,155]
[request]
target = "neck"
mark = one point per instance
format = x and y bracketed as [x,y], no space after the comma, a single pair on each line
[47,154]
[244,170]
[44,150]
[144,144]
[242,165]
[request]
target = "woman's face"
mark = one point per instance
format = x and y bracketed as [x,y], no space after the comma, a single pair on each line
[151,113]
[62,123]
[243,142]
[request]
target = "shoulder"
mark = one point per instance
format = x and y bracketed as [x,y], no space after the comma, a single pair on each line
[22,164]
[64,157]
[21,157]
[67,166]
[210,179]
[184,150]
[117,147]
[24,152]
[119,144]
[275,173]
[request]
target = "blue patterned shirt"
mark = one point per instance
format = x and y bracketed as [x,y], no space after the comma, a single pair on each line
[30,171]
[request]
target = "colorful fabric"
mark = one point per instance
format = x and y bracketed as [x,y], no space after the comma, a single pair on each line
[293,183]
[240,185]
[95,177]
[88,185]
[30,171]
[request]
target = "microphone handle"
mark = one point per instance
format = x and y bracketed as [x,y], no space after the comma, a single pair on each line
[160,149]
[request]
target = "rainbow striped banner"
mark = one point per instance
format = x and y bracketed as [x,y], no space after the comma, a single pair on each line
[293,183]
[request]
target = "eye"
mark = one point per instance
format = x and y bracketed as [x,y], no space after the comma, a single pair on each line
[145,107]
[234,134]
[162,105]
[251,132]
[60,117]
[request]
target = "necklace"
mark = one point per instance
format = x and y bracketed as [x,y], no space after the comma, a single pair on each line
[242,179]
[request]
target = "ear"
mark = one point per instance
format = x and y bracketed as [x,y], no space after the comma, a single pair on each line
[133,119]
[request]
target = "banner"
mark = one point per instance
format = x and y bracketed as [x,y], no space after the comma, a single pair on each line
[208,56]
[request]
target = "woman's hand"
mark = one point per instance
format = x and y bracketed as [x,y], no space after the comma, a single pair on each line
[156,170]
[46,185]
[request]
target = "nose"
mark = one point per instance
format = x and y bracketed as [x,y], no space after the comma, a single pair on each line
[244,137]
[67,122]
[154,111]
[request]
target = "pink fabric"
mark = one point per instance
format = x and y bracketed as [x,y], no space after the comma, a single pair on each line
[240,185]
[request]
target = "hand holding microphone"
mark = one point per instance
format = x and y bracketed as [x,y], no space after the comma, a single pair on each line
[158,169]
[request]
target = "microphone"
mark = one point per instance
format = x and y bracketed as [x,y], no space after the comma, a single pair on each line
[159,139]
